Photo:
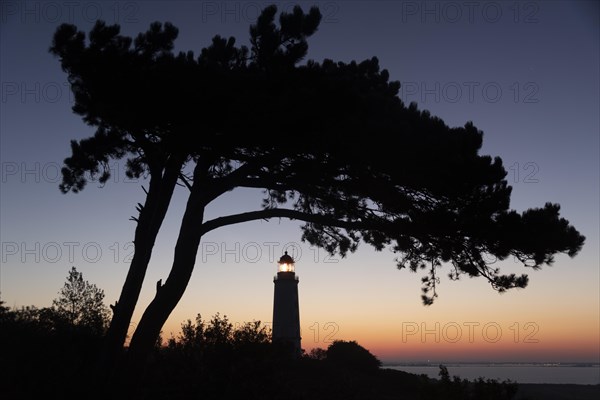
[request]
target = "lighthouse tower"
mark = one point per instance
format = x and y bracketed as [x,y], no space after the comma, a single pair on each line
[286,313]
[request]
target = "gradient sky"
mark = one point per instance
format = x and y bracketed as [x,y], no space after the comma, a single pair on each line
[526,73]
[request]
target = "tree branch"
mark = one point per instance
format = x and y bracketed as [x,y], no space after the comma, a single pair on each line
[318,219]
[185,181]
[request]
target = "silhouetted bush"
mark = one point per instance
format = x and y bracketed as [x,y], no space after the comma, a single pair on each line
[351,355]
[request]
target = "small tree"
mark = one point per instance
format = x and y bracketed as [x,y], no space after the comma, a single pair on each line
[81,303]
[251,333]
[192,335]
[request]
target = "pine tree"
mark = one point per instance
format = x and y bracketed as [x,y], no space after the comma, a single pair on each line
[81,304]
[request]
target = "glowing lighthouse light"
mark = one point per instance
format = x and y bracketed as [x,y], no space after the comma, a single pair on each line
[286,263]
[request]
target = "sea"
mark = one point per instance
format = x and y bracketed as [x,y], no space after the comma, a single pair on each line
[559,373]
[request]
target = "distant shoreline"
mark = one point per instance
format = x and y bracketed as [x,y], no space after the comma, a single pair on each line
[521,373]
[490,363]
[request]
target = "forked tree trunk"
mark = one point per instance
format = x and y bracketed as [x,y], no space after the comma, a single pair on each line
[169,294]
[150,218]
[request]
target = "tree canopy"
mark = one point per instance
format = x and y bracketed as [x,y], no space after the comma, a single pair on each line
[330,143]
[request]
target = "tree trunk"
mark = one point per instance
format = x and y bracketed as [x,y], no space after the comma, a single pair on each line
[168,295]
[150,218]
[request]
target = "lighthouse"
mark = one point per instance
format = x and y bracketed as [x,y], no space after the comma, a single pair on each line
[286,313]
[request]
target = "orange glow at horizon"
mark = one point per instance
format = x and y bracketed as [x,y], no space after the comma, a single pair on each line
[444,341]
[500,341]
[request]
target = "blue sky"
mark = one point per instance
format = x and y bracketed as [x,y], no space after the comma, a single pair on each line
[526,73]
